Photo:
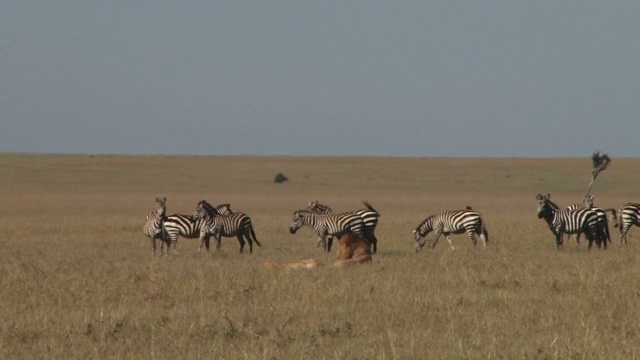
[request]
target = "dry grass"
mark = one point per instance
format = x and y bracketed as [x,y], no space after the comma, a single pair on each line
[78,280]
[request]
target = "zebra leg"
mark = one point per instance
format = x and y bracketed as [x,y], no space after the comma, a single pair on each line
[448,236]
[321,243]
[435,240]
[373,240]
[250,241]
[241,241]
[153,245]
[623,234]
[218,241]
[329,243]
[483,236]
[202,236]
[472,236]
[559,240]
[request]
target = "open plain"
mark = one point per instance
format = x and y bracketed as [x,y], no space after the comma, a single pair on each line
[78,278]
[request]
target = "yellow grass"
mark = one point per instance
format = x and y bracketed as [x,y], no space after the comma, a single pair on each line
[78,279]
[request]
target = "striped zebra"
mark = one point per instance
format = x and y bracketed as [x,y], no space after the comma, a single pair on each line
[452,222]
[327,225]
[629,215]
[187,226]
[228,225]
[222,209]
[604,217]
[369,216]
[563,221]
[153,226]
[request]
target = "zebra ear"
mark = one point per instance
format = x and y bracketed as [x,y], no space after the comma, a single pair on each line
[548,196]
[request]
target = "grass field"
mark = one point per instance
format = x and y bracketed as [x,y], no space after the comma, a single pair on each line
[78,278]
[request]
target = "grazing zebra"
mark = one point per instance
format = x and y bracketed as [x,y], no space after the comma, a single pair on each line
[369,216]
[234,224]
[153,227]
[327,225]
[567,221]
[629,215]
[452,222]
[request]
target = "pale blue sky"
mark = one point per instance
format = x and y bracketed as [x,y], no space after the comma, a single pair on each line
[380,78]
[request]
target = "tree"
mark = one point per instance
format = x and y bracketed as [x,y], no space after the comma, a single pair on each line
[600,163]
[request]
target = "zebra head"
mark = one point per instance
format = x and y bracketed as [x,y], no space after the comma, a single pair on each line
[224,209]
[201,211]
[588,201]
[298,221]
[420,233]
[318,208]
[545,206]
[161,205]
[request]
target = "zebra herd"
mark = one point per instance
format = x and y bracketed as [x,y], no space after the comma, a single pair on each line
[587,219]
[220,221]
[205,222]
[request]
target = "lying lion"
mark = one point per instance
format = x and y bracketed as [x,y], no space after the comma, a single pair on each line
[354,249]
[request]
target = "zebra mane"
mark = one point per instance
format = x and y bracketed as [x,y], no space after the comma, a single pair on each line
[429,219]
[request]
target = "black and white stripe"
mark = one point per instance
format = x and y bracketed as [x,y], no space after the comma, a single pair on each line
[604,216]
[569,221]
[452,222]
[187,226]
[327,225]
[153,226]
[219,223]
[369,216]
[222,209]
[629,216]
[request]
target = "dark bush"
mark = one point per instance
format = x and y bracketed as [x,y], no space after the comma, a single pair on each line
[280,178]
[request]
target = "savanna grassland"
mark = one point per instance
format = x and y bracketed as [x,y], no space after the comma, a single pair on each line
[78,278]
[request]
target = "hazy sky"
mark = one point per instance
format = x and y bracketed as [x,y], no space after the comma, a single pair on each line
[381,78]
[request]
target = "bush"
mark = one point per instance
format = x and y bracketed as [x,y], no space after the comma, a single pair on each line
[280,178]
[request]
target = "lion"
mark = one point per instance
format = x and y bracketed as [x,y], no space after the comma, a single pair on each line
[354,249]
[303,264]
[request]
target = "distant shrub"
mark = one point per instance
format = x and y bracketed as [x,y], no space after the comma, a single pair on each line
[280,178]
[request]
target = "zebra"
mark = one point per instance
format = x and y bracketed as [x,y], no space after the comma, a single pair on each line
[369,216]
[153,226]
[327,225]
[222,209]
[221,224]
[603,218]
[452,222]
[629,215]
[187,226]
[569,221]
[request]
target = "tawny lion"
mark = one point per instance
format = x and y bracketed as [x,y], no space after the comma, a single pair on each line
[354,249]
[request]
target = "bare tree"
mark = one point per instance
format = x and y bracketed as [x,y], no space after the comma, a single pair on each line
[601,162]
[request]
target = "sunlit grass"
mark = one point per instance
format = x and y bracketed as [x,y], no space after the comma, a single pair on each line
[78,279]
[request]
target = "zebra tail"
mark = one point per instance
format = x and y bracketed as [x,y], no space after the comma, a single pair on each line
[253,235]
[366,203]
[484,229]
